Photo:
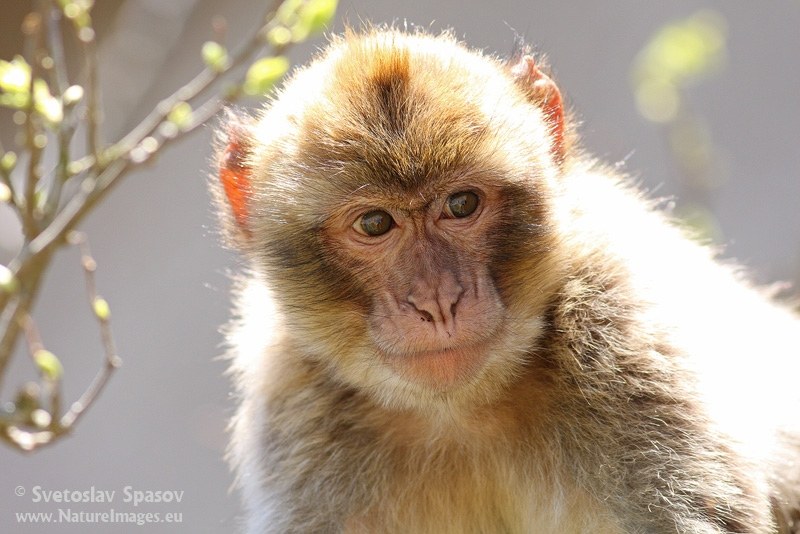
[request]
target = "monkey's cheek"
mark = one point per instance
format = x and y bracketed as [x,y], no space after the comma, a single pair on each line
[440,370]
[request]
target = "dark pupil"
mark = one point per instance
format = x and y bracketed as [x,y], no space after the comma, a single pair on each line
[463,204]
[376,222]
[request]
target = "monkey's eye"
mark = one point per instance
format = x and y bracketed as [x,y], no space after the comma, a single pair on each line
[374,223]
[462,204]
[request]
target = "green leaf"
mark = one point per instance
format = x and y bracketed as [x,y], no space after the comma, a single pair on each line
[49,364]
[685,49]
[287,12]
[305,17]
[315,15]
[678,54]
[264,73]
[215,56]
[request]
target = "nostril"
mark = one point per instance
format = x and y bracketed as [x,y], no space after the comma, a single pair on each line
[419,307]
[453,310]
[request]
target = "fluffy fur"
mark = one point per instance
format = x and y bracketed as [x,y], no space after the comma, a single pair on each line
[638,386]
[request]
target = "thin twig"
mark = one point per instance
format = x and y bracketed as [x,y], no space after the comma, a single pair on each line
[55,45]
[32,28]
[32,335]
[66,129]
[52,225]
[52,385]
[194,88]
[93,189]
[87,38]
[100,180]
[79,205]
[5,178]
[112,360]
[28,440]
[21,303]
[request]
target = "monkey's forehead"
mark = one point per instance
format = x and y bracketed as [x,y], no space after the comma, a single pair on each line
[358,67]
[401,110]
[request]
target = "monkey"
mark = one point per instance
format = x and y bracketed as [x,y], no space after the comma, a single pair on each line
[453,319]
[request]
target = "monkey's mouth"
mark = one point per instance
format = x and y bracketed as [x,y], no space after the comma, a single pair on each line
[440,369]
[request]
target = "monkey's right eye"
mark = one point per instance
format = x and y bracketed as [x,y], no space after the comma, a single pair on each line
[374,223]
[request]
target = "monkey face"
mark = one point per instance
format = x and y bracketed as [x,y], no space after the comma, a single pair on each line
[437,307]
[434,311]
[399,216]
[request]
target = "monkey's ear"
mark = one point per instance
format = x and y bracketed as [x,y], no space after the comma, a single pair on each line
[543,92]
[233,167]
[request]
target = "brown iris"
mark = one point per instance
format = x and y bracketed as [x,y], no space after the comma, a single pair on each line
[461,204]
[374,223]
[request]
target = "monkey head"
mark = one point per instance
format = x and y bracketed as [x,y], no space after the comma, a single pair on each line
[393,197]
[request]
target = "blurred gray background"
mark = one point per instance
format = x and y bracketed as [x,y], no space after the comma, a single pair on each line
[160,423]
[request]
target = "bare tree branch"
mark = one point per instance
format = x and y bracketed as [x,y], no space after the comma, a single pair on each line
[49,217]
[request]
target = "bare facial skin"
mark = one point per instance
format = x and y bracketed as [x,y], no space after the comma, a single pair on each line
[435,311]
[454,320]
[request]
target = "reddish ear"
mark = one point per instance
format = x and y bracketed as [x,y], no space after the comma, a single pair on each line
[234,173]
[546,95]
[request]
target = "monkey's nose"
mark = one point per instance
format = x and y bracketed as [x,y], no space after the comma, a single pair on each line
[427,308]
[437,304]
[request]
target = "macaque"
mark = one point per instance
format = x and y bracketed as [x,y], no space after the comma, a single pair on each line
[454,320]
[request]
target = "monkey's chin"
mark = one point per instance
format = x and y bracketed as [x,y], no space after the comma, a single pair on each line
[440,370]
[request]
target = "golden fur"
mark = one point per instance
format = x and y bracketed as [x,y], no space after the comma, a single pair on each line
[636,385]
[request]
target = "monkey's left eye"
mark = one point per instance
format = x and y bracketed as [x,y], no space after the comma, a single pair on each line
[462,204]
[374,223]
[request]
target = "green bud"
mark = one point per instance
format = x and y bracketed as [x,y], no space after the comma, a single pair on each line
[72,95]
[287,12]
[8,282]
[40,140]
[215,56]
[101,309]
[15,75]
[264,73]
[77,11]
[279,36]
[14,100]
[41,418]
[180,115]
[46,104]
[305,17]
[315,15]
[48,363]
[8,161]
